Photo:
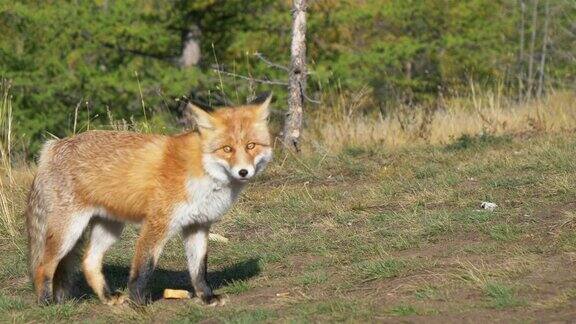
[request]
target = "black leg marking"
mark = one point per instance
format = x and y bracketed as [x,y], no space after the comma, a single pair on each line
[107,293]
[137,285]
[46,297]
[201,286]
[65,274]
[63,281]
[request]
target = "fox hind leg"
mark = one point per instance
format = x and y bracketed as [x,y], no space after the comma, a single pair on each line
[104,234]
[61,237]
[65,276]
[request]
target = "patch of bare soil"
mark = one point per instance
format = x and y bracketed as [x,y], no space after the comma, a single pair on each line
[546,289]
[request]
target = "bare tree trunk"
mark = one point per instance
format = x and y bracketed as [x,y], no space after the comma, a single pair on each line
[544,48]
[530,88]
[521,51]
[297,77]
[190,47]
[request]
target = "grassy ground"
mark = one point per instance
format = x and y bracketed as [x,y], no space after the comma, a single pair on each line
[367,234]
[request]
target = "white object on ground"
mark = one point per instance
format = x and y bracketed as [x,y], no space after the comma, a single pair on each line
[217,238]
[488,206]
[176,294]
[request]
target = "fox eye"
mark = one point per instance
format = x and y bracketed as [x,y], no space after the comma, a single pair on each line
[227,149]
[250,146]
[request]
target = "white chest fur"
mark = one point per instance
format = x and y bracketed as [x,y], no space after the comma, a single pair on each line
[208,200]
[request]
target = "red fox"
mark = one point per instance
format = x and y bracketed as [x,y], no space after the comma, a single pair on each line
[168,184]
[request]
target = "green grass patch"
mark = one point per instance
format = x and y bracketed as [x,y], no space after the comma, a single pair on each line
[513,182]
[427,171]
[504,232]
[501,295]
[466,141]
[235,287]
[249,316]
[60,312]
[381,269]
[333,310]
[426,293]
[314,278]
[403,310]
[356,151]
[9,304]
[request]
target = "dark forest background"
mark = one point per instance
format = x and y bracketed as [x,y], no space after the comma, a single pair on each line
[86,61]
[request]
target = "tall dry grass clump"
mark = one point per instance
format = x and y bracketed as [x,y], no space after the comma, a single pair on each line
[480,112]
[7,217]
[13,182]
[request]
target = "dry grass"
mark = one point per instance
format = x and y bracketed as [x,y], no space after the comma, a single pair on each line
[8,222]
[14,182]
[479,113]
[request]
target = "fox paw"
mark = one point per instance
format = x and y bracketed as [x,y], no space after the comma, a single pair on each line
[215,300]
[116,299]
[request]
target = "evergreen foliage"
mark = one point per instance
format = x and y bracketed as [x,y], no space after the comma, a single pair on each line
[108,56]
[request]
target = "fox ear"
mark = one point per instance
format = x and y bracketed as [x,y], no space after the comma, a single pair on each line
[203,119]
[264,108]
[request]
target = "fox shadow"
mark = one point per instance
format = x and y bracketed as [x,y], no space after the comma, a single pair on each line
[117,278]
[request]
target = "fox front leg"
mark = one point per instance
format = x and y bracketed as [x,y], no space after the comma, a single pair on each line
[196,246]
[148,250]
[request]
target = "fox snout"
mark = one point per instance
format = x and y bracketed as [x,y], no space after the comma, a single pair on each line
[245,171]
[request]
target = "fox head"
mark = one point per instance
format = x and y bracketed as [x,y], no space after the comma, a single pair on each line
[236,143]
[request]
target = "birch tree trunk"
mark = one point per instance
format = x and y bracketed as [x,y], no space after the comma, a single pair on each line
[297,77]
[542,70]
[530,87]
[521,65]
[190,47]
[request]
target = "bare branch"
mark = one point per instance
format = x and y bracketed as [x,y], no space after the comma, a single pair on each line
[272,82]
[308,98]
[270,63]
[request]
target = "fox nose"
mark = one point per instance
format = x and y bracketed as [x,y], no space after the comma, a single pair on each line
[243,173]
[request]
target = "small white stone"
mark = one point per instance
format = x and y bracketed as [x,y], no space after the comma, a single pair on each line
[488,206]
